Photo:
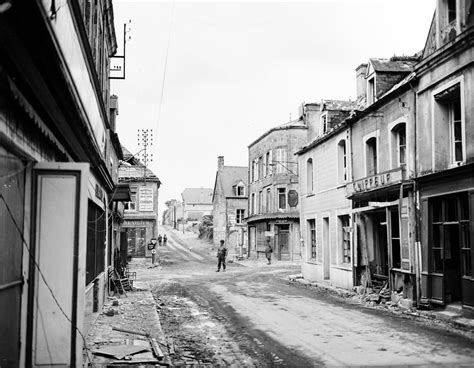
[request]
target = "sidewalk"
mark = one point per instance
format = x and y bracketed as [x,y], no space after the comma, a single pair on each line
[127,332]
[452,316]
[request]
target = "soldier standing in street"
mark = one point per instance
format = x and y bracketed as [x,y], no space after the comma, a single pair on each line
[268,251]
[221,256]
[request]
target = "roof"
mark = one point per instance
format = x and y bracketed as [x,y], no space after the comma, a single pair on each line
[231,176]
[339,105]
[396,64]
[127,171]
[128,157]
[197,195]
[293,124]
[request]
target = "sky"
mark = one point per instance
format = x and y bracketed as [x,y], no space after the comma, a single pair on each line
[210,77]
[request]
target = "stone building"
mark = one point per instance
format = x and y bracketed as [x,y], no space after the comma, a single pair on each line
[325,212]
[141,213]
[273,191]
[59,156]
[173,215]
[197,202]
[444,168]
[230,206]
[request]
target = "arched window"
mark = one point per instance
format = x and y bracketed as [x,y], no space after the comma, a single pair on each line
[309,176]
[399,145]
[342,161]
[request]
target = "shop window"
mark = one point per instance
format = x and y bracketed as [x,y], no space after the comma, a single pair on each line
[342,161]
[309,176]
[312,237]
[268,201]
[371,156]
[281,198]
[449,235]
[345,238]
[239,216]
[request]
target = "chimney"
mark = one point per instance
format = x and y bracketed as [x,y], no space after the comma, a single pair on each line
[361,84]
[220,163]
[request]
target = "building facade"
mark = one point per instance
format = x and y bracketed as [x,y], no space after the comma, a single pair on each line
[141,213]
[59,155]
[445,157]
[325,212]
[230,207]
[273,191]
[197,202]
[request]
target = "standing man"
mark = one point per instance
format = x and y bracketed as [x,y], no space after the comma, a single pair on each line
[268,251]
[221,256]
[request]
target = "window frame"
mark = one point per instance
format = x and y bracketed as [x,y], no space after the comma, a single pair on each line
[324,121]
[374,135]
[342,162]
[309,176]
[282,193]
[239,215]
[312,240]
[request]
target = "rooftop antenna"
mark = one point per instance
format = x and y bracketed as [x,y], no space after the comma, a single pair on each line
[145,139]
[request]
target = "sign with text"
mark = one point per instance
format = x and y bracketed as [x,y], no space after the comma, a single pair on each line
[375,182]
[145,199]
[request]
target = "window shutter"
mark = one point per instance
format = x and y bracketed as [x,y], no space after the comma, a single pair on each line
[404,243]
[425,290]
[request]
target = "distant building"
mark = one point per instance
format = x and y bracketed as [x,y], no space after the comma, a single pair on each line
[273,191]
[197,202]
[141,213]
[173,215]
[230,206]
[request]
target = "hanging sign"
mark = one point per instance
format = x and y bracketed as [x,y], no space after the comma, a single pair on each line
[293,198]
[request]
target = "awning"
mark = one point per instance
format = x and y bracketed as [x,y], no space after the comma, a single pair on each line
[274,216]
[121,193]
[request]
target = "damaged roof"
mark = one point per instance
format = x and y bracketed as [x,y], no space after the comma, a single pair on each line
[339,105]
[396,64]
[230,176]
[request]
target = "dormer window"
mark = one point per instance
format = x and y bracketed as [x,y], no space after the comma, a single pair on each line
[371,90]
[324,122]
[240,190]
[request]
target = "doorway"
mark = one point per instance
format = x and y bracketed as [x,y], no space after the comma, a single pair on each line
[283,242]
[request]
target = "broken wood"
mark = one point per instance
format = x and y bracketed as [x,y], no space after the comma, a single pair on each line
[131,331]
[156,348]
[171,347]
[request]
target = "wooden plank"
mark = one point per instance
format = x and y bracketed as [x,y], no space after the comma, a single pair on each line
[156,348]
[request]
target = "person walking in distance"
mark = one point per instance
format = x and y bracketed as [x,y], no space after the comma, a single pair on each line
[268,251]
[221,255]
[165,239]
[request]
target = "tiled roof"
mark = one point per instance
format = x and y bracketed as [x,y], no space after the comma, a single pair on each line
[230,176]
[197,195]
[127,171]
[397,65]
[340,105]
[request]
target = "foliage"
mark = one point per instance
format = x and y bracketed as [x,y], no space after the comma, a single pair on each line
[205,227]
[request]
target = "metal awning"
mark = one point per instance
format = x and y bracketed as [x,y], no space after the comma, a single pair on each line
[122,193]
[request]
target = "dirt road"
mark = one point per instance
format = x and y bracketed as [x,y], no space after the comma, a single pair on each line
[252,316]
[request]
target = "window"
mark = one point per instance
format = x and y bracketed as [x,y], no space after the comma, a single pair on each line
[260,202]
[371,156]
[240,191]
[342,161]
[239,216]
[455,123]
[312,237]
[398,141]
[268,202]
[132,205]
[324,122]
[345,238]
[95,255]
[260,168]
[281,160]
[281,198]
[448,113]
[371,90]
[254,170]
[267,164]
[451,11]
[309,176]
[449,234]
[252,203]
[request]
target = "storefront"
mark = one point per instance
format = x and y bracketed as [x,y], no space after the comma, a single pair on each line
[447,205]
[383,217]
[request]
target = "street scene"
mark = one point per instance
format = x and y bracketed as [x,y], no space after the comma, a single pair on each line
[236,183]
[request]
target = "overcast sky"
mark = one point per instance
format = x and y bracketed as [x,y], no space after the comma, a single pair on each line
[236,69]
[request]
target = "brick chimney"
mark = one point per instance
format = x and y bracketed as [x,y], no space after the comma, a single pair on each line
[220,163]
[361,83]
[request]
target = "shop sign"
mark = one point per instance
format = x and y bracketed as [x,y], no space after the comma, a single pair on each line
[293,198]
[375,182]
[135,223]
[145,199]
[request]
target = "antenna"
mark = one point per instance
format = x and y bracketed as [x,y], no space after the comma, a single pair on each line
[145,139]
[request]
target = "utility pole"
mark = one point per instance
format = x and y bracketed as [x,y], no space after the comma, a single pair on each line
[145,139]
